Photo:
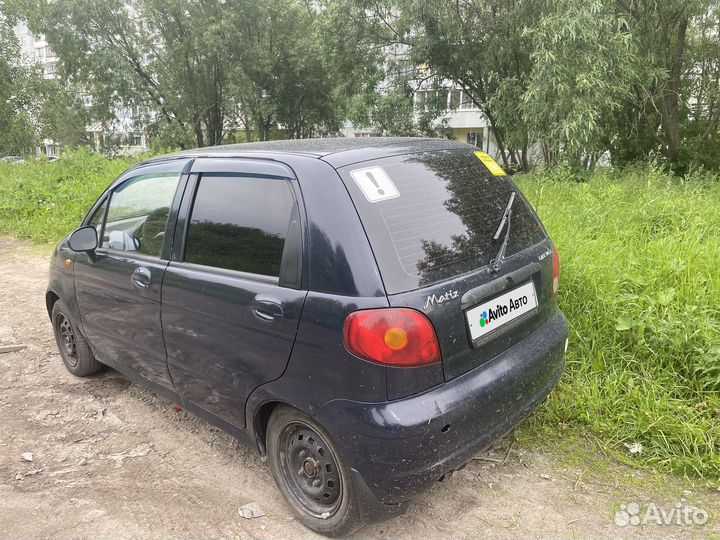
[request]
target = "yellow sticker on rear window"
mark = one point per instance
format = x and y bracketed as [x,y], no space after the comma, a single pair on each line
[490,163]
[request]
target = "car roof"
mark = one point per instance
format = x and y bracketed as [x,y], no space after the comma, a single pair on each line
[338,151]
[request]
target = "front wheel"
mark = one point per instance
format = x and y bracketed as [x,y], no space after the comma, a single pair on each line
[311,474]
[74,350]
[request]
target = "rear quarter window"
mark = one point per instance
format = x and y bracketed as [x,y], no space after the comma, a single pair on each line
[437,217]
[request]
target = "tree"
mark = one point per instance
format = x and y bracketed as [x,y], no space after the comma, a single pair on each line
[676,96]
[19,87]
[63,116]
[575,79]
[480,45]
[205,67]
[583,67]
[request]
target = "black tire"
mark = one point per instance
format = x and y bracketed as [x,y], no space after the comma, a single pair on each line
[311,474]
[74,350]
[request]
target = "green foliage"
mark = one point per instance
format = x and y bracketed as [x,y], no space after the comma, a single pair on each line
[63,115]
[572,80]
[480,46]
[19,86]
[389,114]
[276,68]
[582,70]
[31,107]
[392,112]
[44,201]
[641,289]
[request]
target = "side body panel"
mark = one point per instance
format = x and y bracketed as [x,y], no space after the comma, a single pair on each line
[343,277]
[219,348]
[60,279]
[120,321]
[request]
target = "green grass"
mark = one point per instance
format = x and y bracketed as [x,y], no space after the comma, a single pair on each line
[44,201]
[640,285]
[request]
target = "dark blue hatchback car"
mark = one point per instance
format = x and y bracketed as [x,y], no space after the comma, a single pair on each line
[367,313]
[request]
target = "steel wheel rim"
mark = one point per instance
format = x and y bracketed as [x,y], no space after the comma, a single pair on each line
[310,470]
[66,337]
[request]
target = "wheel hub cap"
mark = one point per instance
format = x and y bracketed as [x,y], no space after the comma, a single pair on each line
[310,467]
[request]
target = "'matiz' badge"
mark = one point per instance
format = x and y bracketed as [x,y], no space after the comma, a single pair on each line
[375,184]
[490,163]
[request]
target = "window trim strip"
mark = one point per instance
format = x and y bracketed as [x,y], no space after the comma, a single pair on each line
[225,272]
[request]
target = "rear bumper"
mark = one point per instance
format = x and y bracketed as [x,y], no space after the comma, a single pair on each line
[401,447]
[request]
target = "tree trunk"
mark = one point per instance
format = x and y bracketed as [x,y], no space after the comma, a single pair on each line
[498,139]
[525,162]
[669,104]
[199,137]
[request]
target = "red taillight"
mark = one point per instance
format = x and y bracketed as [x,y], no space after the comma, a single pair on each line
[556,272]
[394,336]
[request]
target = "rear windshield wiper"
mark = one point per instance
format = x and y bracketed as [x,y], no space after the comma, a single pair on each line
[496,263]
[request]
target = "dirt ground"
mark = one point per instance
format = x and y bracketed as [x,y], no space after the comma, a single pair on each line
[112,460]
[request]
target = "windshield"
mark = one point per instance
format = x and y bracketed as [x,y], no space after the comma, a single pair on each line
[431,216]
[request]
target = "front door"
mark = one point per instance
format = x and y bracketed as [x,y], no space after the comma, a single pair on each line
[118,286]
[232,299]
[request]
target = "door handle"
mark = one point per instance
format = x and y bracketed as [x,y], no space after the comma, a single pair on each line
[269,311]
[141,277]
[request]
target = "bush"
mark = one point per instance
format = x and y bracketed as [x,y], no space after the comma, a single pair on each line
[640,285]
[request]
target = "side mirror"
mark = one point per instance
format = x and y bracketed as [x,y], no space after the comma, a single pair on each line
[84,239]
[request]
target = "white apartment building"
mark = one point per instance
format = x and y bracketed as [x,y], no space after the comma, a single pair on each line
[463,117]
[35,50]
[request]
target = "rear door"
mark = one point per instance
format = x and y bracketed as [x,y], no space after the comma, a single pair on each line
[430,218]
[118,286]
[233,294]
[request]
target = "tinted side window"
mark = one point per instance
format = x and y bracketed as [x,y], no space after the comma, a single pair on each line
[240,223]
[138,214]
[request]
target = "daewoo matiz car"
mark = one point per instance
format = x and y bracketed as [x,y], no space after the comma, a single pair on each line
[367,313]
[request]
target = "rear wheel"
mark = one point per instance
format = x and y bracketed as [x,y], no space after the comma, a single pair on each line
[74,350]
[311,474]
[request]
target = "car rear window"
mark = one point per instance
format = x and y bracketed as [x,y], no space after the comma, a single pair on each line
[431,216]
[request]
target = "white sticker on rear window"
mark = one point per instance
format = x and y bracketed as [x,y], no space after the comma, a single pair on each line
[375,184]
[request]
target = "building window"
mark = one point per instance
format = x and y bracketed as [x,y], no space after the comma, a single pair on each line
[475,138]
[420,100]
[50,69]
[136,140]
[455,98]
[466,104]
[405,67]
[442,97]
